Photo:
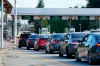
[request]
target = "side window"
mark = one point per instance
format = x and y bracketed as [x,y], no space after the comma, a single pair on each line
[89,38]
[67,37]
[85,39]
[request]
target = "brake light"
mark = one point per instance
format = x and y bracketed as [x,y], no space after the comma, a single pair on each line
[55,42]
[21,38]
[74,42]
[98,45]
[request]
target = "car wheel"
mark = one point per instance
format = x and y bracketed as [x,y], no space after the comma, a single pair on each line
[90,61]
[76,57]
[19,46]
[46,50]
[34,49]
[28,48]
[68,55]
[37,49]
[60,55]
[50,51]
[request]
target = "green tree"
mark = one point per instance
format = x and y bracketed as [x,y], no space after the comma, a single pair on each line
[93,4]
[57,25]
[40,4]
[45,23]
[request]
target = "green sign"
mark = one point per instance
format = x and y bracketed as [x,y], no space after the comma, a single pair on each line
[83,18]
[27,17]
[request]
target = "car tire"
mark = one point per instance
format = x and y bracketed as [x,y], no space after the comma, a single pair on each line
[46,50]
[50,51]
[19,46]
[37,49]
[90,61]
[67,53]
[60,55]
[34,49]
[76,57]
[28,48]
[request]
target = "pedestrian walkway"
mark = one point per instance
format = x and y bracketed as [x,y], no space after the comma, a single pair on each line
[6,45]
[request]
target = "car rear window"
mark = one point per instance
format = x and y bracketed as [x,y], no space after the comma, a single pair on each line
[56,36]
[43,36]
[33,36]
[24,35]
[79,35]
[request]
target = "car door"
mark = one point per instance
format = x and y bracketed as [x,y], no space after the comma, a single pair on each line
[81,47]
[48,43]
[66,43]
[63,44]
[85,46]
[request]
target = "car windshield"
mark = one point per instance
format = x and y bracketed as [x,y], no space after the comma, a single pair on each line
[78,35]
[24,36]
[56,36]
[43,36]
[33,36]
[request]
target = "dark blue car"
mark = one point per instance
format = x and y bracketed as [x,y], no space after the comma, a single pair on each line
[89,48]
[31,40]
[53,43]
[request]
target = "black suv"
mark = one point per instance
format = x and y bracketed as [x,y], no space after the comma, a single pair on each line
[23,40]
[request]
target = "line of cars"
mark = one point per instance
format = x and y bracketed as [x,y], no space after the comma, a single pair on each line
[82,45]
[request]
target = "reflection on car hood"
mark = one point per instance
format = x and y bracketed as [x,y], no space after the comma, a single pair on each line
[77,39]
[56,39]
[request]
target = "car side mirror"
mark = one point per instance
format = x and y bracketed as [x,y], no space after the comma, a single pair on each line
[66,41]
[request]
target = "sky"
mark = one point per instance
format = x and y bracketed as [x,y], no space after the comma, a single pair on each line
[50,3]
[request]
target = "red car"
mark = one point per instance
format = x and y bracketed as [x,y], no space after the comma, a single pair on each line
[41,42]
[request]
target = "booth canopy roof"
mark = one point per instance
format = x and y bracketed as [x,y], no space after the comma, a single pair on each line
[58,11]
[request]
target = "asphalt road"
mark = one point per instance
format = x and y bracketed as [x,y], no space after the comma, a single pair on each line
[23,57]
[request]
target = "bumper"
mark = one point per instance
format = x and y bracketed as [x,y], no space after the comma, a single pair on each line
[71,49]
[96,57]
[54,47]
[30,45]
[22,44]
[42,47]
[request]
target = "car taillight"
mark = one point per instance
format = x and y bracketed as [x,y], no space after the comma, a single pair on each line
[55,41]
[28,41]
[21,38]
[74,42]
[98,45]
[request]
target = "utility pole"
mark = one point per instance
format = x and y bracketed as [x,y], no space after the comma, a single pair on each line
[70,19]
[2,26]
[80,27]
[15,22]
